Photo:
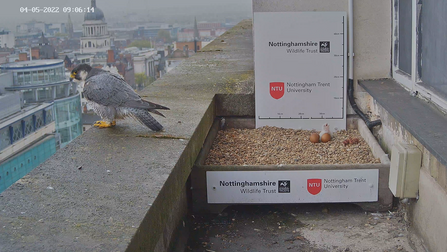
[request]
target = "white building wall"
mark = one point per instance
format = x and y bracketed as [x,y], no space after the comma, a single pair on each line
[96,33]
[372,30]
[139,65]
[8,39]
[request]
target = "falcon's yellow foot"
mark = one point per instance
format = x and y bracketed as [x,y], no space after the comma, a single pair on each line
[103,124]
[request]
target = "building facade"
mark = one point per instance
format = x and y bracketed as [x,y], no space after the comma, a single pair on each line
[96,37]
[43,113]
[7,39]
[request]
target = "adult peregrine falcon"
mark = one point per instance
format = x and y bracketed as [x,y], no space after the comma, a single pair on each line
[112,98]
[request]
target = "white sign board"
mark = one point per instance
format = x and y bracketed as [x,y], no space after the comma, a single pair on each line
[300,69]
[292,186]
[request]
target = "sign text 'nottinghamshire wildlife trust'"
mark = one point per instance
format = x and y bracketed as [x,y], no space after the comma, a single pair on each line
[300,69]
[292,186]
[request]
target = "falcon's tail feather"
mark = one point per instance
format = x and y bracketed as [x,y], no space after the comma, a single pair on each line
[155,105]
[145,118]
[156,112]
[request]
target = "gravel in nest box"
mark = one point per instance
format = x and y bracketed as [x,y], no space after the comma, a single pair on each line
[274,146]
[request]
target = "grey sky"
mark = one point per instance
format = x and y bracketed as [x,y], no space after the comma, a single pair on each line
[10,14]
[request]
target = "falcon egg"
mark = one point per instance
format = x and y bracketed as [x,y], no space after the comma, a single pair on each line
[326,137]
[314,138]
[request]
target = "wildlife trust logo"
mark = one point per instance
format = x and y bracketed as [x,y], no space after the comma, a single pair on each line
[277,89]
[314,186]
[325,46]
[283,186]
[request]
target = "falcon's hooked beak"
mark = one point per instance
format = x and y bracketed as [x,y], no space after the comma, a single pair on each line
[72,76]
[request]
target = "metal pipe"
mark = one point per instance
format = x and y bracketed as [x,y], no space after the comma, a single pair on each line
[351,70]
[351,40]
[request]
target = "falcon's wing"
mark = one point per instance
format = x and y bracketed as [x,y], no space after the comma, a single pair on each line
[118,76]
[108,90]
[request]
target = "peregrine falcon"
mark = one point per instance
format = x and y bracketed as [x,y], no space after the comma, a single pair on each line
[112,98]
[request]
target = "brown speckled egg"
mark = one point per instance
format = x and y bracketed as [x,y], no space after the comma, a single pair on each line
[326,137]
[314,138]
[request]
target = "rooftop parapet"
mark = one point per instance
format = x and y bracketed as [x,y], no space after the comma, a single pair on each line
[124,188]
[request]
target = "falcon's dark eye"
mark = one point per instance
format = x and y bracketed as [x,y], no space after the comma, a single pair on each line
[75,72]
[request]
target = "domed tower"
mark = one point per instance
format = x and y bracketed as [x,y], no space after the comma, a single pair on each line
[95,36]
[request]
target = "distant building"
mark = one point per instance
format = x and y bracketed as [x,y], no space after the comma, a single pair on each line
[145,62]
[189,46]
[174,58]
[202,31]
[96,37]
[54,28]
[7,39]
[31,27]
[70,27]
[192,44]
[44,50]
[43,114]
[4,57]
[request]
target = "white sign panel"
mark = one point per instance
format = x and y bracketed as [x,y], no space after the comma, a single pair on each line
[292,186]
[300,69]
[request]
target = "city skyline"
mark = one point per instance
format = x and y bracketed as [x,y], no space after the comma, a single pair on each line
[171,11]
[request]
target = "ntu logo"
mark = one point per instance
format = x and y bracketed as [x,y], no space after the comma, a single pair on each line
[277,89]
[314,186]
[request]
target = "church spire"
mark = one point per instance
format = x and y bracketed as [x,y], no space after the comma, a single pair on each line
[70,27]
[94,3]
[196,30]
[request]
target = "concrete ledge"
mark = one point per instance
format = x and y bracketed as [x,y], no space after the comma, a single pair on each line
[423,121]
[372,142]
[126,188]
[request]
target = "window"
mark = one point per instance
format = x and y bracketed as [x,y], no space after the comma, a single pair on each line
[17,133]
[29,125]
[62,112]
[49,115]
[5,139]
[45,94]
[65,135]
[419,56]
[20,78]
[27,77]
[28,96]
[75,131]
[39,119]
[40,76]
[47,75]
[60,91]
[34,74]
[52,75]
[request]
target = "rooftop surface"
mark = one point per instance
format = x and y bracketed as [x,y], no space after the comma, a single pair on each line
[31,63]
[93,194]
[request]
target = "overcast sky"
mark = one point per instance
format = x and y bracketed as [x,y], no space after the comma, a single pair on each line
[10,14]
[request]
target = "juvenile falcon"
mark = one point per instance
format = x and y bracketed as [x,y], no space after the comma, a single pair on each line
[112,98]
